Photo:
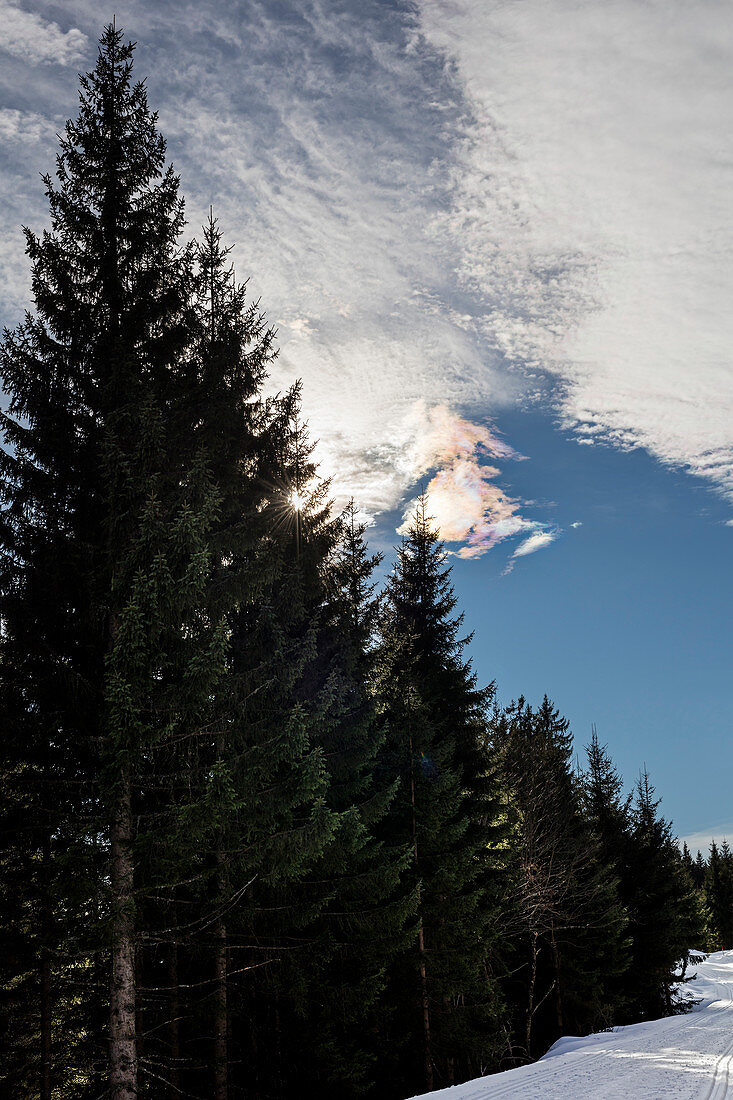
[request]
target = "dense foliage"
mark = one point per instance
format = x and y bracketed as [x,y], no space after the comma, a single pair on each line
[263,832]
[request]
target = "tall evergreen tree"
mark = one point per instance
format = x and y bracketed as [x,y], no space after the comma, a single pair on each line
[88,376]
[354,910]
[134,530]
[274,766]
[605,804]
[565,927]
[698,870]
[244,788]
[447,809]
[719,894]
[665,917]
[607,810]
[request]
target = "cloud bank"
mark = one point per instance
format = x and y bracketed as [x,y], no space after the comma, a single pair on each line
[322,135]
[597,170]
[447,210]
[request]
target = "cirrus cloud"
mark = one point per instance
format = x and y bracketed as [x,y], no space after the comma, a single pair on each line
[591,209]
[431,196]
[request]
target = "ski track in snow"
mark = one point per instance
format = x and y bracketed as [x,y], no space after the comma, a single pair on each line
[687,1057]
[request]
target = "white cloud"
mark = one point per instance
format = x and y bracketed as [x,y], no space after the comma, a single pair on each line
[31,37]
[532,184]
[24,126]
[328,171]
[425,204]
[537,541]
[591,208]
[328,156]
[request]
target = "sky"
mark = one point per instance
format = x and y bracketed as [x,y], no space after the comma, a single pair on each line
[495,239]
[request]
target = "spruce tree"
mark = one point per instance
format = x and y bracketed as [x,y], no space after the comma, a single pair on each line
[360,922]
[193,817]
[445,1006]
[140,543]
[665,918]
[687,859]
[89,375]
[565,926]
[607,810]
[719,894]
[280,820]
[605,804]
[698,870]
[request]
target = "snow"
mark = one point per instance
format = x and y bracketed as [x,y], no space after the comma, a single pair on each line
[688,1057]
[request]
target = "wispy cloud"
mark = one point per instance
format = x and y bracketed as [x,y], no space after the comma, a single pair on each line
[541,535]
[422,223]
[326,159]
[537,541]
[24,126]
[593,186]
[29,36]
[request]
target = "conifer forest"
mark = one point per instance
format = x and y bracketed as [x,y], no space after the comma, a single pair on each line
[264,833]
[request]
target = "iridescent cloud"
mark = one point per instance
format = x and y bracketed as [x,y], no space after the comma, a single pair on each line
[463,497]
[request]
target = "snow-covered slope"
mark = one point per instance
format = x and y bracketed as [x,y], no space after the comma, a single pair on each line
[686,1057]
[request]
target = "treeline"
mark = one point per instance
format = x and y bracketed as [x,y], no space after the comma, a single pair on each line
[264,835]
[713,881]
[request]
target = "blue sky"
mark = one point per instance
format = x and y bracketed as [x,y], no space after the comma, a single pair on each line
[495,239]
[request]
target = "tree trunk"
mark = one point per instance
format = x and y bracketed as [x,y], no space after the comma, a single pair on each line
[46,1053]
[421,941]
[122,1044]
[450,1062]
[530,992]
[425,1007]
[174,1033]
[221,1016]
[139,991]
[221,1086]
[558,995]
